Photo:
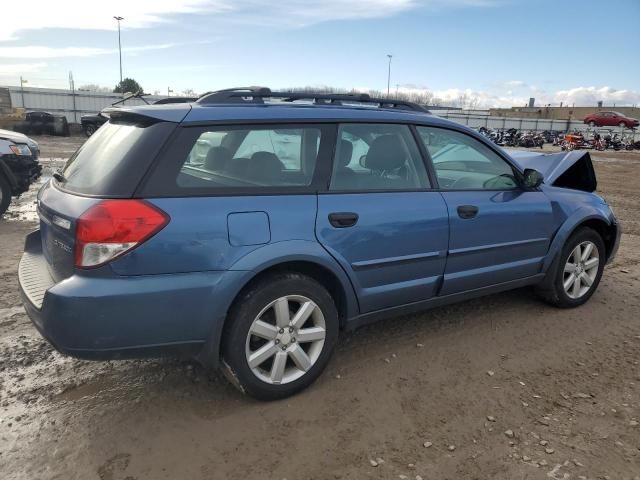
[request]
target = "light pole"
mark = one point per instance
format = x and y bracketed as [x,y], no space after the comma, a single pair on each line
[119,44]
[22,82]
[389,75]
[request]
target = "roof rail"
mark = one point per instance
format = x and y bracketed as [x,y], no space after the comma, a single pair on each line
[258,94]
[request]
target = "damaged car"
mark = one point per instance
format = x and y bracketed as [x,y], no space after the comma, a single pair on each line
[19,166]
[250,228]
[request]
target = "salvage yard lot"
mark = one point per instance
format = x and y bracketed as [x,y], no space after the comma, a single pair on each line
[502,387]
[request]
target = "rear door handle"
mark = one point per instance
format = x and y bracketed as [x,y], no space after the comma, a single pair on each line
[343,219]
[467,211]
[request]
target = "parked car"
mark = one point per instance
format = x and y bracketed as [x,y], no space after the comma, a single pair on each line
[44,123]
[20,138]
[255,263]
[610,119]
[19,166]
[91,123]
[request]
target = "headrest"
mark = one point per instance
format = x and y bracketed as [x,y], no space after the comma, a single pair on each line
[346,150]
[385,153]
[217,158]
[265,167]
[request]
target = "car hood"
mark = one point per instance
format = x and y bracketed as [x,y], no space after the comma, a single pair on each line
[565,169]
[14,136]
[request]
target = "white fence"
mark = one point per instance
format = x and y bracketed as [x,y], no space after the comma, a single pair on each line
[72,104]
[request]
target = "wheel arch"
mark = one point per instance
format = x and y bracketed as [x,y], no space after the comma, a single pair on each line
[311,260]
[607,229]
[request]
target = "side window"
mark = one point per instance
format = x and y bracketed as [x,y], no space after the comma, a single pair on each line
[463,163]
[377,157]
[248,157]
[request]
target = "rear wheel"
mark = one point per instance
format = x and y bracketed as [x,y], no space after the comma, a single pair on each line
[5,194]
[578,272]
[280,336]
[592,124]
[89,130]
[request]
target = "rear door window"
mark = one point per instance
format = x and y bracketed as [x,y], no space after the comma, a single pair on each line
[373,157]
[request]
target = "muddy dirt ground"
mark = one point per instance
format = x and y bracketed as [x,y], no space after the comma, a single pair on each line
[503,387]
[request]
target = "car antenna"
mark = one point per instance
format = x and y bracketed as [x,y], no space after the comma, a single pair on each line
[139,94]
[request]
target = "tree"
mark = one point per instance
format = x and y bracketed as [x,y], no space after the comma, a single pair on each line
[127,85]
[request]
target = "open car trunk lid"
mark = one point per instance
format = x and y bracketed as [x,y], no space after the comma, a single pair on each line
[566,169]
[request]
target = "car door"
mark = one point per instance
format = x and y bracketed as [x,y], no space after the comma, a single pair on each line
[608,119]
[498,232]
[380,220]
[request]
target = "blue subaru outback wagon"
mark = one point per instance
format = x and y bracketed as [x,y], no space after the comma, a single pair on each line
[248,228]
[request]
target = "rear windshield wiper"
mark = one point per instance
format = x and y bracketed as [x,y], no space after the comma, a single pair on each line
[59,176]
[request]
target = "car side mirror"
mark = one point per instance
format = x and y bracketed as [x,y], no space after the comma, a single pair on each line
[532,179]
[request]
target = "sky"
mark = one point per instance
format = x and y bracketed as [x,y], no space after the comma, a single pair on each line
[499,52]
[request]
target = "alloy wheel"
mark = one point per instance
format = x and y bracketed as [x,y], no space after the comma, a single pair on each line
[285,339]
[580,270]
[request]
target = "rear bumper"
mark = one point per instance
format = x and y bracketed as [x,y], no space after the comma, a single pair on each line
[125,317]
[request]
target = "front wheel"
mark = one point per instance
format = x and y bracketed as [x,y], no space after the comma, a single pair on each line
[280,336]
[578,272]
[89,130]
[592,124]
[622,125]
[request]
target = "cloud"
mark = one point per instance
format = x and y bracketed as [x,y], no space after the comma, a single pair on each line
[51,52]
[516,84]
[592,95]
[12,69]
[78,15]
[497,98]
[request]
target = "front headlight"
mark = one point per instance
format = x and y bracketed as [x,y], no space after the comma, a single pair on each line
[20,149]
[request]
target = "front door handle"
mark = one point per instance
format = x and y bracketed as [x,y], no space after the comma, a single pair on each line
[343,219]
[467,211]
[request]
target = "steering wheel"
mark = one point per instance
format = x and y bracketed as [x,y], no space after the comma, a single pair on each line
[492,181]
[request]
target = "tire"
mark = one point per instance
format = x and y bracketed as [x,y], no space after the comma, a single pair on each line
[283,295]
[5,194]
[553,290]
[592,124]
[89,130]
[622,125]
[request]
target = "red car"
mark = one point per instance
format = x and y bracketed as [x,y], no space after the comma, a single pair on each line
[610,119]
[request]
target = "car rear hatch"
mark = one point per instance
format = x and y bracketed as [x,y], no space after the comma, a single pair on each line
[108,166]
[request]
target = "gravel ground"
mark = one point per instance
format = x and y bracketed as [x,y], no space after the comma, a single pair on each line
[503,387]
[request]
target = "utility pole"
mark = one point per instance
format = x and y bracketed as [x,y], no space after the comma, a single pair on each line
[169,91]
[389,75]
[22,82]
[119,44]
[72,85]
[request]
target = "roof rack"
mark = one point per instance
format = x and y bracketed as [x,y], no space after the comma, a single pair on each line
[258,94]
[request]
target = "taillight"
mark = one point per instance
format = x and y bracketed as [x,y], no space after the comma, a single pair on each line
[114,227]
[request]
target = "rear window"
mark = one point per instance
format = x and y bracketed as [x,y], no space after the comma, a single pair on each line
[251,157]
[114,159]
